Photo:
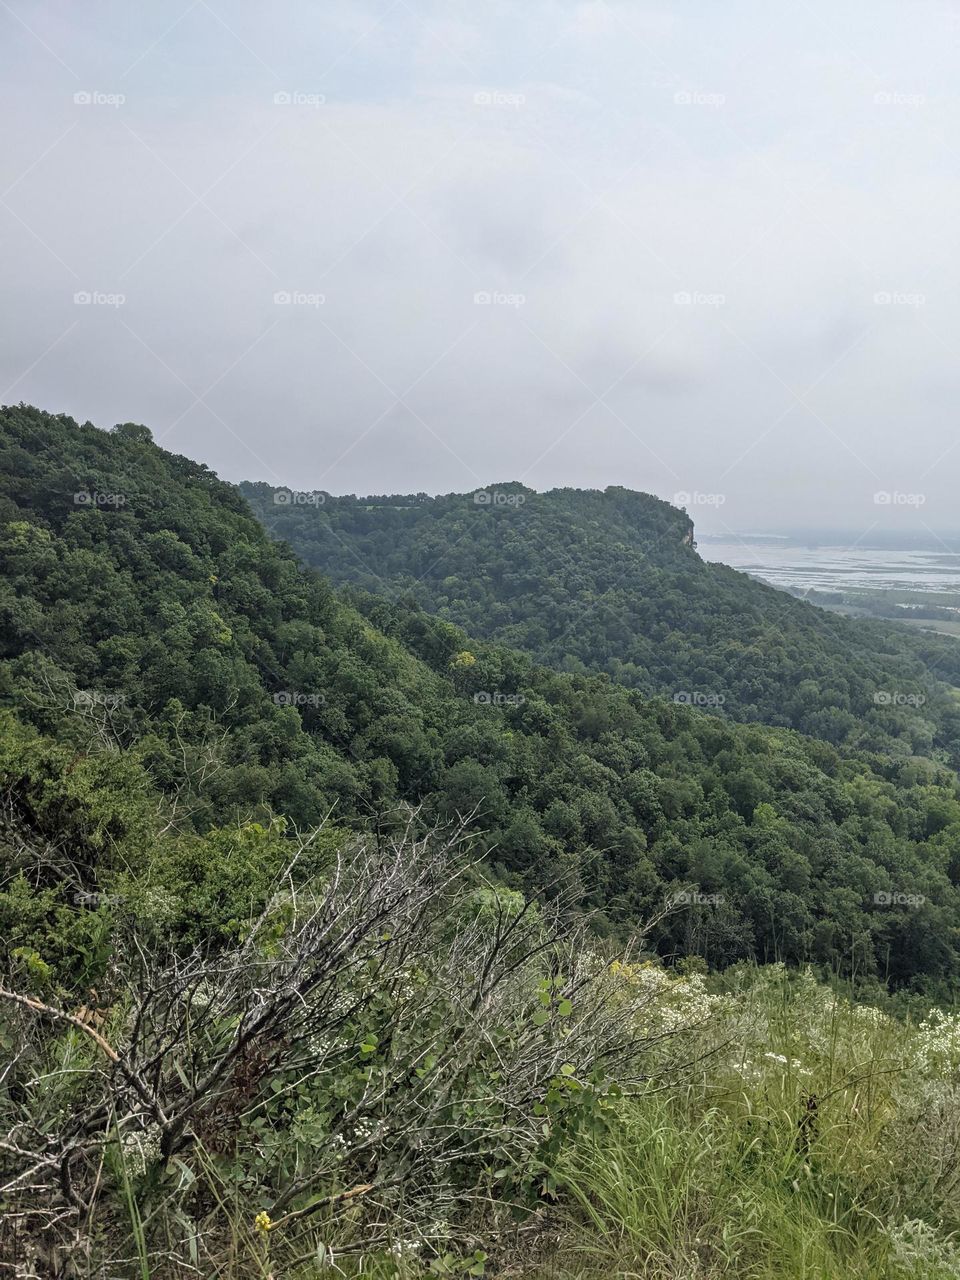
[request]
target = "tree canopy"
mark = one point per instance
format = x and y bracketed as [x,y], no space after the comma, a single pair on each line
[590,580]
[171,676]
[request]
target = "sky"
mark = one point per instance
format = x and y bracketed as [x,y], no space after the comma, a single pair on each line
[707,251]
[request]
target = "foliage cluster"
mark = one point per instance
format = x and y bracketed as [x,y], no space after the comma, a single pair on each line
[590,580]
[164,649]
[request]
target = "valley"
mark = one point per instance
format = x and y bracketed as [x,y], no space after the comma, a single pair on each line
[479,641]
[916,585]
[520,836]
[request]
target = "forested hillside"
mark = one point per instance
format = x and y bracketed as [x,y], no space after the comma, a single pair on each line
[271,996]
[585,580]
[151,622]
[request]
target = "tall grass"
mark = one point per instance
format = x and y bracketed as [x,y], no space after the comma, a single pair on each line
[795,1154]
[779,1132]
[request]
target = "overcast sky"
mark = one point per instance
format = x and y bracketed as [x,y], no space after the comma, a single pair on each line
[697,249]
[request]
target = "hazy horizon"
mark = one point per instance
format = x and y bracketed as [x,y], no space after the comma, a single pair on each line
[400,247]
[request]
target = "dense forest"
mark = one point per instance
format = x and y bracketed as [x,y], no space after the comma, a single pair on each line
[336,939]
[152,631]
[585,580]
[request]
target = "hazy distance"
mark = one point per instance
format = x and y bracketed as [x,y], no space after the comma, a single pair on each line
[704,251]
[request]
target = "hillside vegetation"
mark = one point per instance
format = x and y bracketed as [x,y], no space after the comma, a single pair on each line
[165,631]
[321,1054]
[337,942]
[585,580]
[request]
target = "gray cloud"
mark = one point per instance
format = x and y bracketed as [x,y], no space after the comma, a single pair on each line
[717,244]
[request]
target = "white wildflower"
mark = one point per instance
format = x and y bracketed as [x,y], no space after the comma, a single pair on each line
[917,1247]
[937,1044]
[203,996]
[140,1149]
[406,1248]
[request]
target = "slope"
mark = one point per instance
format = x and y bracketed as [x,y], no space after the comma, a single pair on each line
[149,624]
[585,580]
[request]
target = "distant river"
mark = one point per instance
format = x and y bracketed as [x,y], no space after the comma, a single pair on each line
[784,564]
